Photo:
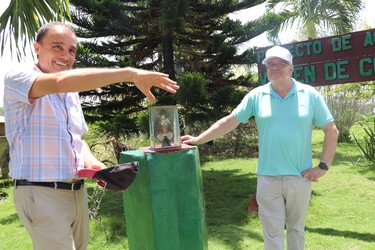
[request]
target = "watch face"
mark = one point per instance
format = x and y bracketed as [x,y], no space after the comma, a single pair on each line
[323,166]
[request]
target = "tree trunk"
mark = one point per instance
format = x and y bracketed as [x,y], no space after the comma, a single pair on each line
[168,54]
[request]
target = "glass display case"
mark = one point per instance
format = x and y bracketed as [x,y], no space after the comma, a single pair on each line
[164,127]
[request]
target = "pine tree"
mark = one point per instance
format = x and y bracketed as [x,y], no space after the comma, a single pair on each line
[193,41]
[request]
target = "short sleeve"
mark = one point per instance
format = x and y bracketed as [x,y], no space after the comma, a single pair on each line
[17,84]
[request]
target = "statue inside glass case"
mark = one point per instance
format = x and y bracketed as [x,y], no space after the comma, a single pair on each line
[164,131]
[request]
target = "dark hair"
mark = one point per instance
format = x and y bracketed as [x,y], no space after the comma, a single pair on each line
[47,27]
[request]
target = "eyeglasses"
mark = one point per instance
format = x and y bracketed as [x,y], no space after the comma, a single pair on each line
[277,65]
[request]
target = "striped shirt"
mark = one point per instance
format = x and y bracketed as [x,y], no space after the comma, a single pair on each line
[44,134]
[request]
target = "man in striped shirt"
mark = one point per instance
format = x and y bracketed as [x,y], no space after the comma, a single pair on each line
[44,128]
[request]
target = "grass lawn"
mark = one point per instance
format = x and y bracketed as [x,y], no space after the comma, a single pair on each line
[341,214]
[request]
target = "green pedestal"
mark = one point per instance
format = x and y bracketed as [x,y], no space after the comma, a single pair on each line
[164,207]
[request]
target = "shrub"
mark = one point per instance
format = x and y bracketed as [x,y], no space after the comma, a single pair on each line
[241,142]
[367,144]
[346,102]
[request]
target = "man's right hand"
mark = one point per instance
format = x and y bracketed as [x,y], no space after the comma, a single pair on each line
[188,139]
[144,80]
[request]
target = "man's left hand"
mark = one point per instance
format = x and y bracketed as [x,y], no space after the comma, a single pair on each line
[313,174]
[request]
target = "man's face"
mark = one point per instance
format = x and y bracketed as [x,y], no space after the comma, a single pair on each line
[57,50]
[278,69]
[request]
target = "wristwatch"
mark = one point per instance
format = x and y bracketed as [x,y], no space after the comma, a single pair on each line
[322,165]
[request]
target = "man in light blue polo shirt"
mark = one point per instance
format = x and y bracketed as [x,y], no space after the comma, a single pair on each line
[285,112]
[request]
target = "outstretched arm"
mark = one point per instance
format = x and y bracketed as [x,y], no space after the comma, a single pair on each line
[78,80]
[218,129]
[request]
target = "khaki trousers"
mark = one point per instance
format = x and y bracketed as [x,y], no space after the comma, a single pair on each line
[55,219]
[283,202]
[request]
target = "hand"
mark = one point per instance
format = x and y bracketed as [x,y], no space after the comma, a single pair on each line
[188,139]
[96,165]
[144,80]
[313,174]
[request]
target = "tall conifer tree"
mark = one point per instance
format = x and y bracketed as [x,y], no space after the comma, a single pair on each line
[193,41]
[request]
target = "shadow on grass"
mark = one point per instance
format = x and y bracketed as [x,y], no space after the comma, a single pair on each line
[3,195]
[227,196]
[344,153]
[366,168]
[358,163]
[345,234]
[10,219]
[349,154]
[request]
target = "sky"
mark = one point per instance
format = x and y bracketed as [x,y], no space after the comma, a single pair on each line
[286,37]
[7,61]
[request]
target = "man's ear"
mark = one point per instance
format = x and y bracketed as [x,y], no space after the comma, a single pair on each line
[36,47]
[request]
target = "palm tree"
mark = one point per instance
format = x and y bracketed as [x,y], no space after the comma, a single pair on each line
[21,20]
[316,17]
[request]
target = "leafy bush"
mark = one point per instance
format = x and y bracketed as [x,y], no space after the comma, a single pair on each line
[241,142]
[346,102]
[367,144]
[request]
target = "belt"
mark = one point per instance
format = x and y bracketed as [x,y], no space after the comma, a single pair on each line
[55,185]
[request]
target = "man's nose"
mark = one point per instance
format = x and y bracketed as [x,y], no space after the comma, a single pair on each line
[65,54]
